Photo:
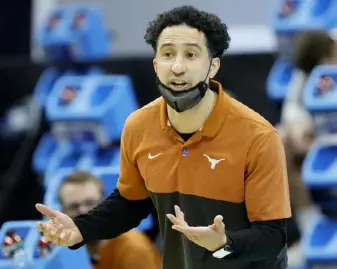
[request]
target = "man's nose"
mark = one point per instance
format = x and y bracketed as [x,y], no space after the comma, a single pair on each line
[178,69]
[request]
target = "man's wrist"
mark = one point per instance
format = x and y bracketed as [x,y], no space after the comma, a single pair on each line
[224,250]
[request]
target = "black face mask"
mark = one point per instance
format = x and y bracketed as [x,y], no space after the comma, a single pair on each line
[181,101]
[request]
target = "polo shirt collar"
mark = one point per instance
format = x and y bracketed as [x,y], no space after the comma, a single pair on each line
[216,118]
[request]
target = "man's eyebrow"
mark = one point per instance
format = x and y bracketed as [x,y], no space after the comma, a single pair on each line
[187,44]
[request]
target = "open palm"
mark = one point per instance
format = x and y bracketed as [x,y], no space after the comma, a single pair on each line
[60,228]
[211,237]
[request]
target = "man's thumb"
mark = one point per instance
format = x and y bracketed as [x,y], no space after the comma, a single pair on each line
[218,222]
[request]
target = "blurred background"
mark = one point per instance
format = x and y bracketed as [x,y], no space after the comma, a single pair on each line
[72,71]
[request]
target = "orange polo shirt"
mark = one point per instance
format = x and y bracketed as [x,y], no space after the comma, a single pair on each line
[234,166]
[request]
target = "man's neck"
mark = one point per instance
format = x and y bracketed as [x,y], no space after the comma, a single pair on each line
[193,119]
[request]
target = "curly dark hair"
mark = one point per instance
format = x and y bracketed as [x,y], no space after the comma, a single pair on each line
[310,48]
[216,32]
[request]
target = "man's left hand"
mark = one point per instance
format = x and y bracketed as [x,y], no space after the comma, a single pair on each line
[212,237]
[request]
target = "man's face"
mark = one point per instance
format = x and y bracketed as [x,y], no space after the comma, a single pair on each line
[79,198]
[182,58]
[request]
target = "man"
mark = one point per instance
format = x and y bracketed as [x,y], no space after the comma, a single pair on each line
[78,194]
[203,159]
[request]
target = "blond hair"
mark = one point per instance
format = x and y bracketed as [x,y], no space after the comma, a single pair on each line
[80,177]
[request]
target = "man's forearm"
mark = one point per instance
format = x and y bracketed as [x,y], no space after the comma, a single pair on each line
[263,242]
[114,216]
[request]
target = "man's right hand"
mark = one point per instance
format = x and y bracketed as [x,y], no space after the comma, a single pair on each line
[60,228]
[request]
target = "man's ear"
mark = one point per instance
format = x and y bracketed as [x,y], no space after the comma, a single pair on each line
[215,66]
[155,65]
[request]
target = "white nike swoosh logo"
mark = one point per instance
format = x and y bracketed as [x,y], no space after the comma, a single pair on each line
[150,156]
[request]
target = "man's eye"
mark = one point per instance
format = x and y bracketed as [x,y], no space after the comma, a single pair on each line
[190,55]
[167,54]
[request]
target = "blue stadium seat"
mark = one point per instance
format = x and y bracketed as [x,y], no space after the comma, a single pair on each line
[320,165]
[278,80]
[87,113]
[49,76]
[320,244]
[319,173]
[319,170]
[69,158]
[289,18]
[91,108]
[65,158]
[59,257]
[74,32]
[320,92]
[301,15]
[45,84]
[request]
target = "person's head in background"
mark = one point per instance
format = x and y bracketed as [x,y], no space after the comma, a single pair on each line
[79,193]
[314,48]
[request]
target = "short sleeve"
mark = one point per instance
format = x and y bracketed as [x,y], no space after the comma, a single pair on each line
[130,184]
[266,183]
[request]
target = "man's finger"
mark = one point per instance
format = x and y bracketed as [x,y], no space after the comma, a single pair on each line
[41,226]
[45,210]
[50,230]
[190,231]
[173,219]
[179,213]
